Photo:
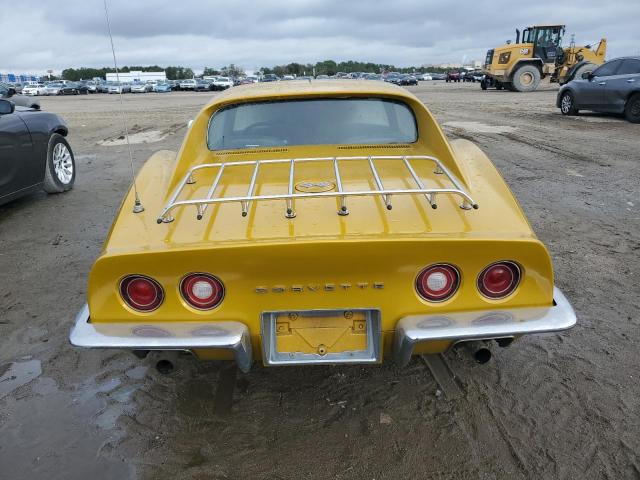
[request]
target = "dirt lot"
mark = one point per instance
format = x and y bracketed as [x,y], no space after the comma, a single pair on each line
[550,407]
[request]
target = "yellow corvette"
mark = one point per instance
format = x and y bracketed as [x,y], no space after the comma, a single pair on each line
[319,222]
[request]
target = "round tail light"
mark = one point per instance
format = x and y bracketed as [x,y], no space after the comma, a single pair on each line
[141,293]
[202,291]
[437,283]
[499,279]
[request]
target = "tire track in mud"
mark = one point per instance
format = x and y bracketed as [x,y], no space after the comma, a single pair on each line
[491,443]
[540,424]
[535,144]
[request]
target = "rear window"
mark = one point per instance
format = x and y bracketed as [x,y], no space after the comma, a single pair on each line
[312,122]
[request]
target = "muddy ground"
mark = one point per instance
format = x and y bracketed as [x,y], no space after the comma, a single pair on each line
[560,406]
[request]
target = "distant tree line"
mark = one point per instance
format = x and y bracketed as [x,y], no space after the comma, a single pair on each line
[85,73]
[326,67]
[231,70]
[330,67]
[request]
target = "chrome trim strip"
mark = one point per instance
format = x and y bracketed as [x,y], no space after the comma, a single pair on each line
[376,177]
[430,197]
[224,335]
[210,193]
[290,213]
[483,324]
[343,200]
[252,186]
[272,357]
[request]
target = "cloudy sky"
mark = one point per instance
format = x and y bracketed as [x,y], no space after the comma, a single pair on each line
[39,34]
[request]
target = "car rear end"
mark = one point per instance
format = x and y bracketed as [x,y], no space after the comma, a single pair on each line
[362,301]
[30,90]
[188,85]
[274,243]
[114,88]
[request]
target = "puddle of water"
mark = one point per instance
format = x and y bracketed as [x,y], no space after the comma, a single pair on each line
[148,136]
[105,387]
[18,374]
[48,434]
[106,420]
[477,127]
[125,394]
[137,373]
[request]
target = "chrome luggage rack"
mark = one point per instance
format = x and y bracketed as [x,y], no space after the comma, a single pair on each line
[430,193]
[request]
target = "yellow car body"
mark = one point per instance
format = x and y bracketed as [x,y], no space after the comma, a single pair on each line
[315,286]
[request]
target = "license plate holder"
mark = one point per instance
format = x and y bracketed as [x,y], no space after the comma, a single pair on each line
[312,326]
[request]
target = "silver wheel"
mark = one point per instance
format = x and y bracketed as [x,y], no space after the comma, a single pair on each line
[62,163]
[565,104]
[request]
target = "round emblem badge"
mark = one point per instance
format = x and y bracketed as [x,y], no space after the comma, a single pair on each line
[315,187]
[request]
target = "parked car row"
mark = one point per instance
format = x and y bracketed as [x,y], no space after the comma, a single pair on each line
[473,76]
[55,88]
[401,79]
[83,87]
[211,83]
[387,76]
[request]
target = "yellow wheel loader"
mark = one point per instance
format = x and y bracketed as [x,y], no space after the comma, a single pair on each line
[520,66]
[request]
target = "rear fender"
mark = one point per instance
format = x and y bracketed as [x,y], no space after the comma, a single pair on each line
[485,181]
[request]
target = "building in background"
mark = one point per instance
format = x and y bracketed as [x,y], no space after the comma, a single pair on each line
[21,78]
[136,76]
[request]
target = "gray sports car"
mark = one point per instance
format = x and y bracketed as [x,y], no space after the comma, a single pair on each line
[613,87]
[34,153]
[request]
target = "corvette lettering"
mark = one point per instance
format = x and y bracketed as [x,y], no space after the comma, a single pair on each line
[313,287]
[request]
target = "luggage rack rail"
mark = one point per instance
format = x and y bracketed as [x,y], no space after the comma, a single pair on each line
[430,194]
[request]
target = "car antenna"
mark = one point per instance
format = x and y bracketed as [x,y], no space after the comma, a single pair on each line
[137,207]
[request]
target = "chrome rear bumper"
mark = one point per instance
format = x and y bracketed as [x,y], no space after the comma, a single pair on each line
[233,336]
[410,331]
[481,325]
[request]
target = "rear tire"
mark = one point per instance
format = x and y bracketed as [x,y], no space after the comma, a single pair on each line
[526,78]
[60,168]
[483,84]
[632,108]
[568,104]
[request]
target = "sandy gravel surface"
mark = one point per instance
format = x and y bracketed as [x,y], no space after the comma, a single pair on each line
[560,406]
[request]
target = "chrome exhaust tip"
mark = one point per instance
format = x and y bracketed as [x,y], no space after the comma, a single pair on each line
[482,355]
[164,367]
[478,350]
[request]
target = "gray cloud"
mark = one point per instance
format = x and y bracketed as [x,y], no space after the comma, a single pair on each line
[40,35]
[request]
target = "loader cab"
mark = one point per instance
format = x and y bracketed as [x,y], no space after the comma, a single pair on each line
[546,40]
